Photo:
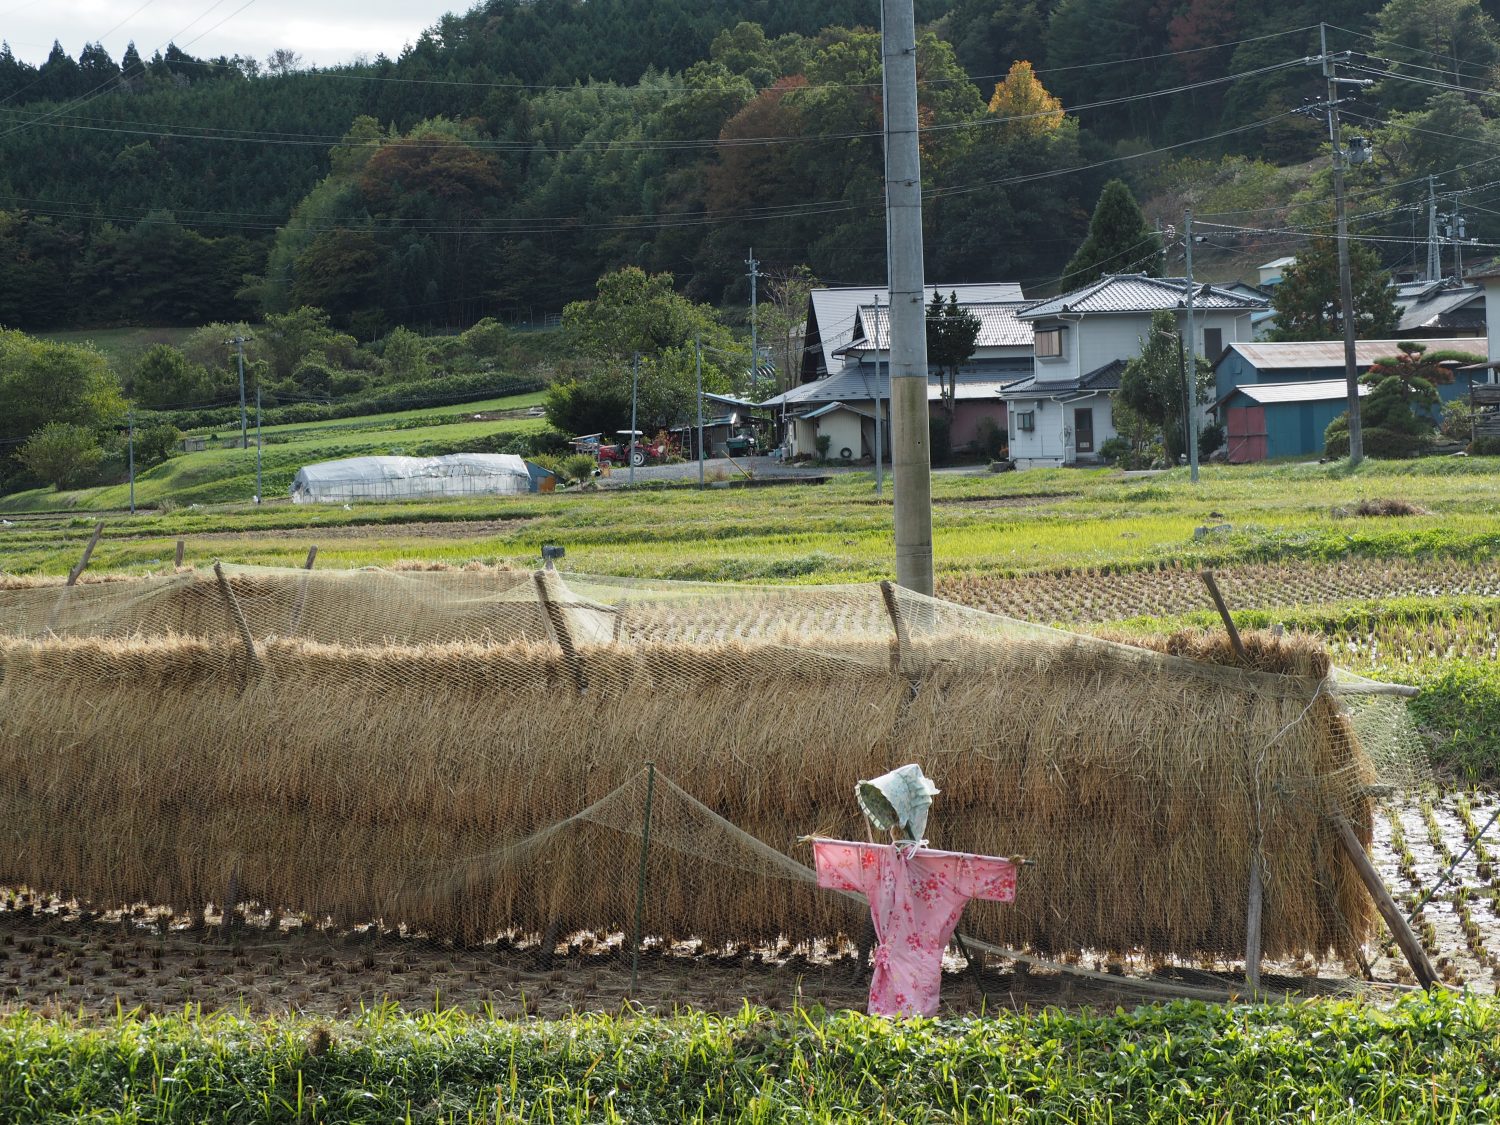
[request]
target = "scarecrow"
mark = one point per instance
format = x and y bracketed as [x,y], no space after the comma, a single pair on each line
[916,894]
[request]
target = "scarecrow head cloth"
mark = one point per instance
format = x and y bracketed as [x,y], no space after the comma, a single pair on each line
[898,801]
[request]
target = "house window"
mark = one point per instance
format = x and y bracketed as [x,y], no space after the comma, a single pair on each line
[1213,343]
[1049,343]
[1026,420]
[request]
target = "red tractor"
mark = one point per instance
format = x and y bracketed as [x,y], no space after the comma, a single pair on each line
[646,449]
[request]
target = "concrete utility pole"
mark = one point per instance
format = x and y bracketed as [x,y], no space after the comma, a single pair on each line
[130,422]
[239,344]
[1346,285]
[1456,231]
[1434,254]
[911,456]
[754,327]
[879,438]
[635,380]
[698,364]
[258,492]
[1192,352]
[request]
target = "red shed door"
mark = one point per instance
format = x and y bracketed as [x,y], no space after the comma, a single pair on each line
[1247,434]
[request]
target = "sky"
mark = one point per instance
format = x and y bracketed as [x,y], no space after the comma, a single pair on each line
[323,32]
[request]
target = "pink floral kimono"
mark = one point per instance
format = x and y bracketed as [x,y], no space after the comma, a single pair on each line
[916,897]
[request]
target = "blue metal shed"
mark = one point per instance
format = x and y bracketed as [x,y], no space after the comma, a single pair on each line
[1264,420]
[1315,361]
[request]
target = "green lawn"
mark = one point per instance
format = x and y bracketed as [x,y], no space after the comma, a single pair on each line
[1422,1061]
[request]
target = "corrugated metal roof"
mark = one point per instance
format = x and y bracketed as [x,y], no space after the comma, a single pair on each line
[1330,353]
[836,309]
[1320,390]
[1136,293]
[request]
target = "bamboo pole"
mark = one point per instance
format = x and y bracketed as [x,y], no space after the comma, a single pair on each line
[1416,956]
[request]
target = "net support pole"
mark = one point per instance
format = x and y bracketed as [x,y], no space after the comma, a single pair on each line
[640,883]
[88,552]
[231,896]
[1415,955]
[559,624]
[312,557]
[1256,901]
[1234,634]
[181,547]
[903,641]
[237,615]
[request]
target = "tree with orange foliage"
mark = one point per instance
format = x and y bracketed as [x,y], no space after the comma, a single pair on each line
[1023,104]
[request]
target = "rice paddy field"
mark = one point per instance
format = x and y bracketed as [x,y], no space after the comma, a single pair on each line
[1394,568]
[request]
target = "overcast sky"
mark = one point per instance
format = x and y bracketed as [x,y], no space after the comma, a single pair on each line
[323,32]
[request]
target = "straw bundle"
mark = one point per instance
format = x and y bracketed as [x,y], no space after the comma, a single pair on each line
[433,784]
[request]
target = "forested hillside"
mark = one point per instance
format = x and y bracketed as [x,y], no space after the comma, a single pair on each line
[518,151]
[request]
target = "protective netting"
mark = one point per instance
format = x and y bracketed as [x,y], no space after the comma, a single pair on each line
[461,753]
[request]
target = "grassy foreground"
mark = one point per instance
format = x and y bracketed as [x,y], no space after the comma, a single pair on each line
[1421,1061]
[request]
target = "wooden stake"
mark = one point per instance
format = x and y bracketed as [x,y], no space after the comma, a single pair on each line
[898,654]
[1416,956]
[87,551]
[558,620]
[1234,634]
[312,556]
[231,896]
[238,616]
[1252,926]
[181,546]
[640,886]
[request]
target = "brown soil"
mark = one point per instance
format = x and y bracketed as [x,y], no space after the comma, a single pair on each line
[431,529]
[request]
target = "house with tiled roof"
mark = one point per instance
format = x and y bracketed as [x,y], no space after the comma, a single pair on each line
[847,361]
[1082,341]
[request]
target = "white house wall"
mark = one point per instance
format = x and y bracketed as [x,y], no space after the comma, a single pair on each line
[845,431]
[1093,341]
[1051,443]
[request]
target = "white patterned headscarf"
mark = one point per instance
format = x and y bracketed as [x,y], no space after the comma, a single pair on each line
[898,800]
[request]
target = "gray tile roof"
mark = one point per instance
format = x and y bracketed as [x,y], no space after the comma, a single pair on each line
[1440,304]
[1137,293]
[998,327]
[1106,378]
[836,309]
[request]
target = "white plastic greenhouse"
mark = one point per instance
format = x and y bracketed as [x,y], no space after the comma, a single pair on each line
[400,478]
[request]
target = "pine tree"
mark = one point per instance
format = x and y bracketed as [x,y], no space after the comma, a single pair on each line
[1119,241]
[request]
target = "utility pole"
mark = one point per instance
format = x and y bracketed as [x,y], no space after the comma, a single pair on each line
[879,438]
[911,460]
[754,327]
[258,492]
[239,344]
[1359,153]
[635,379]
[130,424]
[1434,254]
[1456,231]
[1192,353]
[698,364]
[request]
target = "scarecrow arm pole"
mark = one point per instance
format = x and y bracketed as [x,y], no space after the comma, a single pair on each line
[1416,956]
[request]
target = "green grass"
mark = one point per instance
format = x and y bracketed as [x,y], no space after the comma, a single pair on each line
[225,474]
[120,344]
[1422,1061]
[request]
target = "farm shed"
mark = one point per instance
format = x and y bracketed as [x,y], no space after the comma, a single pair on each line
[485,774]
[403,478]
[1264,420]
[1321,360]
